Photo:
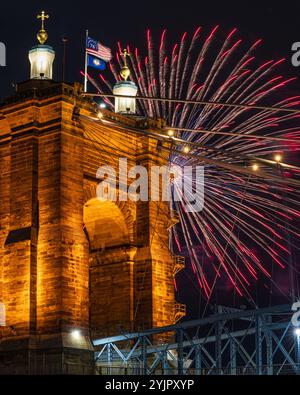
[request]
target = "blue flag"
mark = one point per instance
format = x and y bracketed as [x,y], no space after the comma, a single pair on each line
[95,62]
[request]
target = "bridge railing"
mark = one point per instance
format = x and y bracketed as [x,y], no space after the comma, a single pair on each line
[230,341]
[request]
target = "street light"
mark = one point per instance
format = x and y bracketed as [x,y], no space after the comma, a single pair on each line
[76,334]
[255,167]
[297,332]
[278,158]
[170,133]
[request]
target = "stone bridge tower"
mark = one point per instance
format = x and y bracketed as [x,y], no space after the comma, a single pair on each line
[72,267]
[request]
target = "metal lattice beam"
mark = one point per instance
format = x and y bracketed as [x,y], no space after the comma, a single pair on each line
[258,342]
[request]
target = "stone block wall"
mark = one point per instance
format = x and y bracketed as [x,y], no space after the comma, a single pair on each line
[51,279]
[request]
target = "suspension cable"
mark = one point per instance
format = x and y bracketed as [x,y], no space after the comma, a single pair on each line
[197,102]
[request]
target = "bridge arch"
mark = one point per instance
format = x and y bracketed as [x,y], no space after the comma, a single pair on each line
[105,225]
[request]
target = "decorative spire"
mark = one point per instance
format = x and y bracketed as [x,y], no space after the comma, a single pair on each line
[125,72]
[41,56]
[42,35]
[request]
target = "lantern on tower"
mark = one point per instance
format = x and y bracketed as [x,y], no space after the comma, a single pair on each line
[128,89]
[41,56]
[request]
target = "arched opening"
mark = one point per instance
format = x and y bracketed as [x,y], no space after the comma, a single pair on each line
[105,225]
[111,268]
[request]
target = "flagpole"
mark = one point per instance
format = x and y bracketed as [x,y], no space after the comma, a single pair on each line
[86,59]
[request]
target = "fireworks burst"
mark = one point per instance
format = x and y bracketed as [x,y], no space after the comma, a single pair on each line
[249,221]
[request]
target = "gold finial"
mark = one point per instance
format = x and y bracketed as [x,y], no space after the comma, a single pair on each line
[42,35]
[125,72]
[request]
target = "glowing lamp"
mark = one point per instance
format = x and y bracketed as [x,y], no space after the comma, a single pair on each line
[170,133]
[278,158]
[76,334]
[2,315]
[297,332]
[255,167]
[125,105]
[186,149]
[41,60]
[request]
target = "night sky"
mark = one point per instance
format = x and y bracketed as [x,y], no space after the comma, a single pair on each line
[110,21]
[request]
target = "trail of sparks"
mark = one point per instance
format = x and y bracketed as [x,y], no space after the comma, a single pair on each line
[243,218]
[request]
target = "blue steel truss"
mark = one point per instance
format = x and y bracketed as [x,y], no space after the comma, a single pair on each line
[229,342]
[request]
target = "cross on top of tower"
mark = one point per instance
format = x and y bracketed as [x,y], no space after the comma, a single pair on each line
[43,16]
[42,34]
[125,72]
[125,54]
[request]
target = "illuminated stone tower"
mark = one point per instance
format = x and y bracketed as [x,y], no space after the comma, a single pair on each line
[73,268]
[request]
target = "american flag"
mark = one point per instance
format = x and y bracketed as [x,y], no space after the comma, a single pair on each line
[94,48]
